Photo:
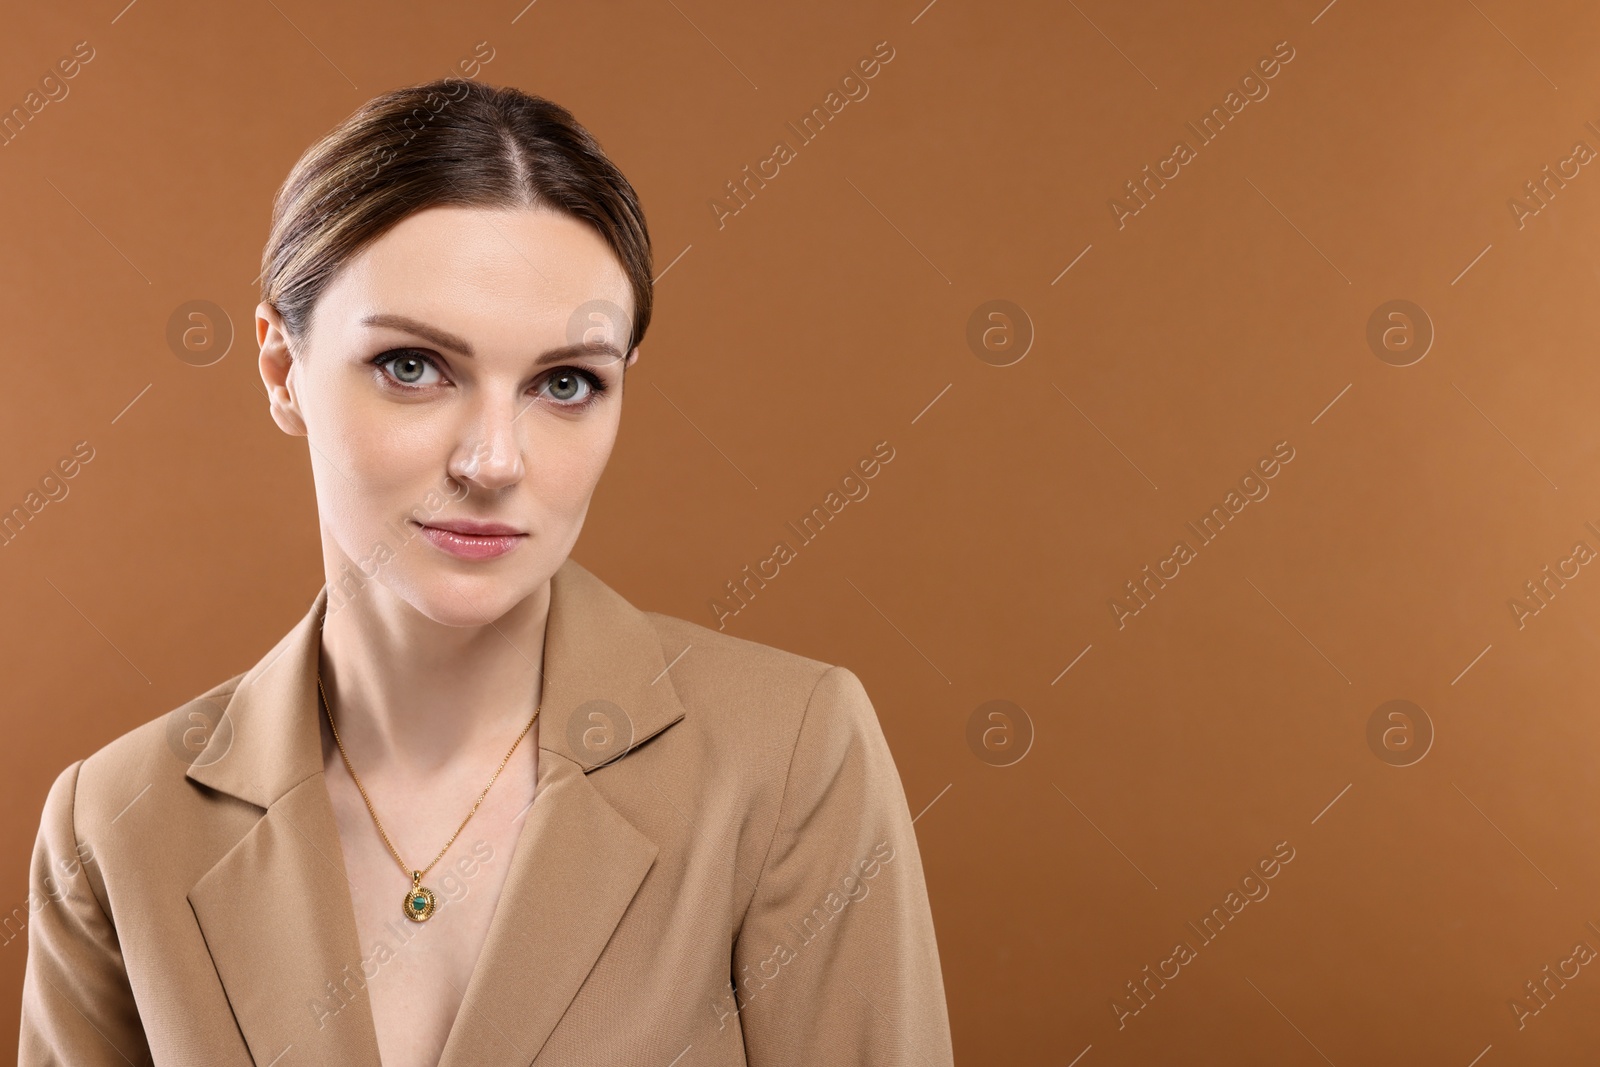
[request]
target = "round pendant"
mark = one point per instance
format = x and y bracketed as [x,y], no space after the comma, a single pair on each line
[420,903]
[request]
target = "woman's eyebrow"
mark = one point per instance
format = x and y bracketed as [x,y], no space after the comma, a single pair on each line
[447,340]
[442,338]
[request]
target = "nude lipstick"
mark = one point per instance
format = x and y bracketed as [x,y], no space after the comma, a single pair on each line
[468,540]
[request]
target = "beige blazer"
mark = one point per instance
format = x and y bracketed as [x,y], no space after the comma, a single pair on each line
[718,868]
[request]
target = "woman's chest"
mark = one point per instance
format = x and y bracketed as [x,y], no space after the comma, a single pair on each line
[416,973]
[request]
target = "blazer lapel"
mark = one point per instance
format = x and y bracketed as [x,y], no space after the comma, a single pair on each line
[576,867]
[275,910]
[578,862]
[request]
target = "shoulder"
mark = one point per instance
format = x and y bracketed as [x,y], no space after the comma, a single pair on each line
[148,762]
[109,810]
[701,656]
[762,694]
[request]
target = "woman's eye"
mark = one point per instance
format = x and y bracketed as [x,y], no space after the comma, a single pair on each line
[568,387]
[409,369]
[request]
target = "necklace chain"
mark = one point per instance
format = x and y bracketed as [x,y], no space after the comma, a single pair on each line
[415,875]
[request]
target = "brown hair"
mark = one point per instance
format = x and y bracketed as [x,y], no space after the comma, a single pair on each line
[452,141]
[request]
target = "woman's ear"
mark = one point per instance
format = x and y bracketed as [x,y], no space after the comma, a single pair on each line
[277,364]
[633,356]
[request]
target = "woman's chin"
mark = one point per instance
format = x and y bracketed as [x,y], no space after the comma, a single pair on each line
[461,599]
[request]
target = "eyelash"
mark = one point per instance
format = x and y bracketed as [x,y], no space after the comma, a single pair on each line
[597,385]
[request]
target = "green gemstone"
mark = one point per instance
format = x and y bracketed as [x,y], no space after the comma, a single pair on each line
[418,903]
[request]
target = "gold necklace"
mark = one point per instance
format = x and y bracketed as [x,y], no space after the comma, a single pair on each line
[420,900]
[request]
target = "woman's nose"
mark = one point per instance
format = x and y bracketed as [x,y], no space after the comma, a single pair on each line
[490,453]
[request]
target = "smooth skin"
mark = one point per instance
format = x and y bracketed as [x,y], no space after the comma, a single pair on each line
[434,667]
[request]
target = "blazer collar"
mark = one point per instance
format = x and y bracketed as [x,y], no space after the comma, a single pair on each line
[605,691]
[275,910]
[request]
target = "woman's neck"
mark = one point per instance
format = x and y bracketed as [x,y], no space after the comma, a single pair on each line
[410,694]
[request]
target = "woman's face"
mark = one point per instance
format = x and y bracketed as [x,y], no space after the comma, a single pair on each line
[465,369]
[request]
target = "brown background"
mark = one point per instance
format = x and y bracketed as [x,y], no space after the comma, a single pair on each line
[832,313]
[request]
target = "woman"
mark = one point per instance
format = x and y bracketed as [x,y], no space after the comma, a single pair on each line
[475,808]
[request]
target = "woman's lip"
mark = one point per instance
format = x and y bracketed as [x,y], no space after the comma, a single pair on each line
[470,546]
[476,529]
